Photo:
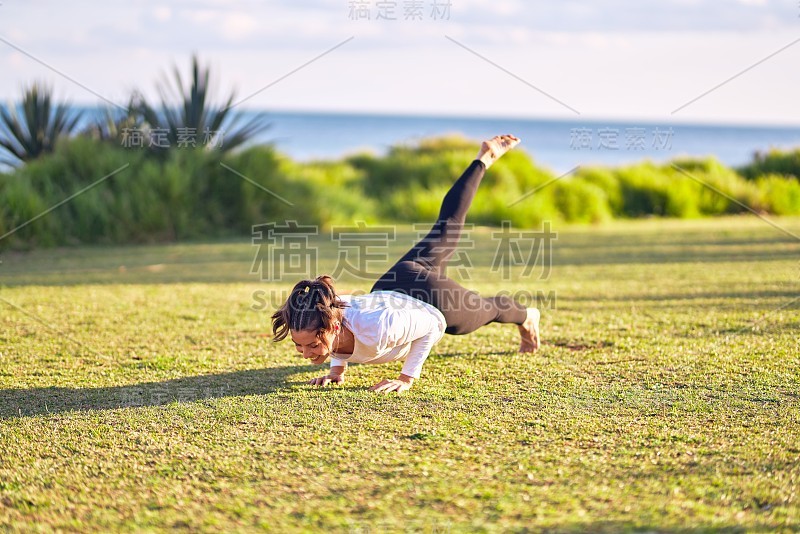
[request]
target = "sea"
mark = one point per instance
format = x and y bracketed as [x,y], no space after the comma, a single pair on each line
[559,145]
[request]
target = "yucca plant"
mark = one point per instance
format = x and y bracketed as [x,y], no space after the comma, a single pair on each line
[34,127]
[187,111]
[116,124]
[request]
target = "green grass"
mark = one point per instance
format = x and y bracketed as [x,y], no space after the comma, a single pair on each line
[139,391]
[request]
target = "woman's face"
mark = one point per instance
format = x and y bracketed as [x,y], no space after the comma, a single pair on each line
[311,347]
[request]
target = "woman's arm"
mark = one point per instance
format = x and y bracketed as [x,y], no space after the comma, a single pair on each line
[420,348]
[423,330]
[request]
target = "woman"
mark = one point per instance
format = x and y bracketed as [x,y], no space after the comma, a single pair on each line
[410,307]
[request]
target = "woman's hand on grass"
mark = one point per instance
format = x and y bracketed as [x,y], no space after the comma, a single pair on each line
[327,379]
[399,385]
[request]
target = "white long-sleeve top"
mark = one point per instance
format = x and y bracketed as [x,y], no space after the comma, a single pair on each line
[390,326]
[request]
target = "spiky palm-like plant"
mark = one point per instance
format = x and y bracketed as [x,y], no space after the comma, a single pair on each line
[116,124]
[34,127]
[189,110]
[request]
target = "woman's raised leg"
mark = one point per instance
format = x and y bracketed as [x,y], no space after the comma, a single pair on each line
[421,271]
[438,245]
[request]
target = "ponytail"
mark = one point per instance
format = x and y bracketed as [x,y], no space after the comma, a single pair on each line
[312,305]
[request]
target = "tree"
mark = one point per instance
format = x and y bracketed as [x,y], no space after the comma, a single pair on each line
[34,127]
[188,114]
[116,125]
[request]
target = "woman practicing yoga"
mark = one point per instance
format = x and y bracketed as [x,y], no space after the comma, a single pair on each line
[410,307]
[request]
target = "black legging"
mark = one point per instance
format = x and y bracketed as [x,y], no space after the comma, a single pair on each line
[420,272]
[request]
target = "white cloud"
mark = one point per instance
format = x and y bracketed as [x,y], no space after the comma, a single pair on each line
[238,26]
[16,60]
[201,16]
[162,13]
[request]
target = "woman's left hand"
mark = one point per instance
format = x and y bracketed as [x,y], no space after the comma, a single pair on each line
[399,385]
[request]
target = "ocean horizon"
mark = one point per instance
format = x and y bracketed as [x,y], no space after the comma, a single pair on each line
[557,144]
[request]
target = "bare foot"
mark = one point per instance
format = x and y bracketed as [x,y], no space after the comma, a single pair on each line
[495,147]
[529,331]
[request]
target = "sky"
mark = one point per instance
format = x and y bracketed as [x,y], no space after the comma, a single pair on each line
[718,61]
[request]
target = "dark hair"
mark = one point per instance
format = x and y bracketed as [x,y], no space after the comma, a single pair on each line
[312,305]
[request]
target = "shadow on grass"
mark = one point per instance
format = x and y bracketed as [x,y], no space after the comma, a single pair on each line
[474,353]
[611,526]
[52,400]
[700,295]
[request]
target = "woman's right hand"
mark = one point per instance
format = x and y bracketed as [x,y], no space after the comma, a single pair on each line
[327,379]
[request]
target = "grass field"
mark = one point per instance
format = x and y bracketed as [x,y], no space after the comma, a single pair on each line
[140,390]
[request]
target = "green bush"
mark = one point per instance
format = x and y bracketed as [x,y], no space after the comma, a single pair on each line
[581,201]
[644,190]
[774,161]
[266,201]
[49,180]
[717,189]
[413,204]
[779,195]
[408,184]
[683,198]
[19,203]
[607,180]
[187,194]
[334,193]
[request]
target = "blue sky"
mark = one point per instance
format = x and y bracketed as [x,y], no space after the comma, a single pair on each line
[649,60]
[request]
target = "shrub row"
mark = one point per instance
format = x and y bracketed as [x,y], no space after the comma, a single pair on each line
[200,194]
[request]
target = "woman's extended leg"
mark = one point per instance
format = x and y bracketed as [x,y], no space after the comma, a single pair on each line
[438,245]
[421,271]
